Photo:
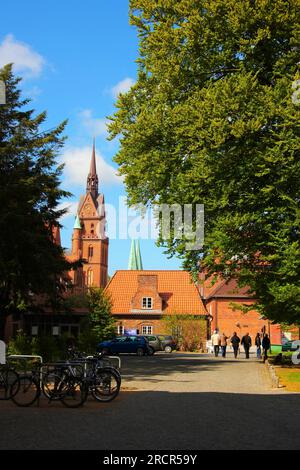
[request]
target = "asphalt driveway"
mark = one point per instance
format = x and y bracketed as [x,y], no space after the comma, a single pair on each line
[168,401]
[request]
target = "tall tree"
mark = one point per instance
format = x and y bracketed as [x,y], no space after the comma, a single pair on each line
[30,262]
[214,119]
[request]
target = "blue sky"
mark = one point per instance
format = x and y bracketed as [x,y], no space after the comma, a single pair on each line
[75,57]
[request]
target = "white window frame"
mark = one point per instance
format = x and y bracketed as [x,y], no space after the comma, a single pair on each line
[148,300]
[147,330]
[120,329]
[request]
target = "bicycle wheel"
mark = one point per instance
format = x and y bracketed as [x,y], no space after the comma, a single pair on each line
[107,385]
[28,391]
[73,392]
[7,378]
[53,386]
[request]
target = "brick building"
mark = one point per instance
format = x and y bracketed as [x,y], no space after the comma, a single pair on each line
[142,299]
[222,300]
[89,240]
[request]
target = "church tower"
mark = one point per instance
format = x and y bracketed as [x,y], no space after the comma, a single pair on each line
[89,240]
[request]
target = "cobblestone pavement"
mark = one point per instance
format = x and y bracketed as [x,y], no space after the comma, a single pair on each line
[168,401]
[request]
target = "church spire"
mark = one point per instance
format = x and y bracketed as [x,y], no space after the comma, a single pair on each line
[92,179]
[135,259]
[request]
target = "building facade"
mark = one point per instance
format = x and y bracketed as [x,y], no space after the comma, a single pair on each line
[89,240]
[223,301]
[143,299]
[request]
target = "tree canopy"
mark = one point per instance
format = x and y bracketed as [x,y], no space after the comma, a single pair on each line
[213,119]
[30,262]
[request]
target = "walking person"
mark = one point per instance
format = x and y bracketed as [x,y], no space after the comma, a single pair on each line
[235,341]
[224,339]
[215,341]
[258,346]
[266,344]
[246,342]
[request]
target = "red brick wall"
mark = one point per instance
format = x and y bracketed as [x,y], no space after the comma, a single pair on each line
[229,320]
[147,287]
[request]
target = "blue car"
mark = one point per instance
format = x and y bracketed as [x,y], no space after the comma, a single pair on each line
[125,344]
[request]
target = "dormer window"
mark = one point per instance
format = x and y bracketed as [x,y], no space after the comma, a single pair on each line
[147,303]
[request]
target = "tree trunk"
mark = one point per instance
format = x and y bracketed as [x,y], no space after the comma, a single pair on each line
[3,318]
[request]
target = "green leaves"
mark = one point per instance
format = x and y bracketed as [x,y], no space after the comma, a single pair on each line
[102,323]
[211,120]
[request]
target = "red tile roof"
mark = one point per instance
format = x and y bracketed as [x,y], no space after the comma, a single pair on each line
[179,293]
[221,288]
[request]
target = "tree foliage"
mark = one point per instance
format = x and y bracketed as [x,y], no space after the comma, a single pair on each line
[31,263]
[211,120]
[102,323]
[189,331]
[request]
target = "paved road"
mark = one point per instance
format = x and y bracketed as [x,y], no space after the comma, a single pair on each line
[176,401]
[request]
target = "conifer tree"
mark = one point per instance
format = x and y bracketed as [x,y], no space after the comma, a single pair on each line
[31,264]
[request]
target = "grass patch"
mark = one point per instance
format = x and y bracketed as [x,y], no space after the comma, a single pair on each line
[289,378]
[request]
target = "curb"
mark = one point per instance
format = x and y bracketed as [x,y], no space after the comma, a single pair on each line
[274,378]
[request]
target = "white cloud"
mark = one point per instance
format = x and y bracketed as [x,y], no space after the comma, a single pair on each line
[122,87]
[25,59]
[94,126]
[71,207]
[77,163]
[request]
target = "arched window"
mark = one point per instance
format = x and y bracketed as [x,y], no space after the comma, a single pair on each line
[90,277]
[90,252]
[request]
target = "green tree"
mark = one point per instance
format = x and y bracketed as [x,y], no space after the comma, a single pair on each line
[31,264]
[213,119]
[102,323]
[189,331]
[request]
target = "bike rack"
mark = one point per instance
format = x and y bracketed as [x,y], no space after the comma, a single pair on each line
[27,356]
[109,357]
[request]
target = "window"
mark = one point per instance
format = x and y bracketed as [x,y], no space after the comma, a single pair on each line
[90,277]
[120,329]
[147,302]
[147,330]
[91,252]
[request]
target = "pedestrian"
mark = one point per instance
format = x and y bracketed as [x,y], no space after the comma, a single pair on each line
[235,341]
[266,344]
[258,346]
[215,341]
[224,339]
[246,342]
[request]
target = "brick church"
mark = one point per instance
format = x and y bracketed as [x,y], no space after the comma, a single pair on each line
[89,241]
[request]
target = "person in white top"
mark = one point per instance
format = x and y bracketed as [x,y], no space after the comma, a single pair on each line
[215,341]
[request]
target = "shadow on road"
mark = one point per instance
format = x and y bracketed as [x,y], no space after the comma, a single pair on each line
[158,420]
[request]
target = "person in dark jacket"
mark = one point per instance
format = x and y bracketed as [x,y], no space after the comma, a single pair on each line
[246,342]
[266,344]
[258,346]
[235,341]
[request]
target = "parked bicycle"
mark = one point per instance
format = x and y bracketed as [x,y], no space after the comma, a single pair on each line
[8,376]
[54,385]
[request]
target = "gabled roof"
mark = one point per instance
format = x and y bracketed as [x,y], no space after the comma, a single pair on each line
[222,288]
[180,295]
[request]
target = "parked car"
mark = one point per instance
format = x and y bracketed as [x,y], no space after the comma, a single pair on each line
[125,344]
[154,343]
[168,343]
